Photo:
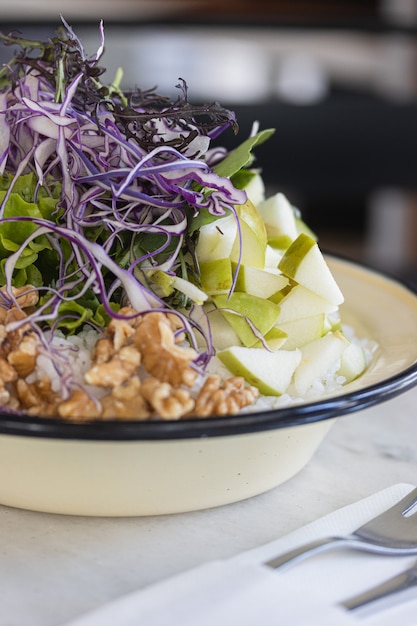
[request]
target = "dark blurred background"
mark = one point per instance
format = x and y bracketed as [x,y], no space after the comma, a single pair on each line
[337,79]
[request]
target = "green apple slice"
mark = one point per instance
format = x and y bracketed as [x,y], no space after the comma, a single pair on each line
[304,263]
[270,372]
[303,330]
[255,189]
[272,257]
[274,339]
[263,283]
[318,358]
[332,322]
[252,247]
[223,334]
[352,362]
[216,240]
[212,321]
[163,282]
[280,242]
[279,218]
[262,314]
[303,228]
[300,302]
[191,291]
[216,276]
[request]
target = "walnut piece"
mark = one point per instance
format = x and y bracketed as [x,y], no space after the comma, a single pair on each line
[218,397]
[38,398]
[23,357]
[26,298]
[114,372]
[79,407]
[167,401]
[161,356]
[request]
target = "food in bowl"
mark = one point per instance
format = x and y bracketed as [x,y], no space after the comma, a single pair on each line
[144,274]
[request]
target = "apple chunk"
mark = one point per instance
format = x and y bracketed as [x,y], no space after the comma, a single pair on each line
[257,282]
[216,276]
[318,358]
[247,314]
[279,219]
[305,264]
[216,240]
[352,362]
[274,339]
[301,302]
[251,248]
[270,372]
[302,330]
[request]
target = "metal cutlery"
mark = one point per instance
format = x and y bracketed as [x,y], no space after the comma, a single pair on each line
[394,532]
[391,592]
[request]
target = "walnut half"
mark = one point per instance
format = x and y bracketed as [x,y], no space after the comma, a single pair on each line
[227,397]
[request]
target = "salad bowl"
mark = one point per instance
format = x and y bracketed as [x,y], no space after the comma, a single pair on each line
[137,468]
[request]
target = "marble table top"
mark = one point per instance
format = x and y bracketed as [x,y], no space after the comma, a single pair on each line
[53,568]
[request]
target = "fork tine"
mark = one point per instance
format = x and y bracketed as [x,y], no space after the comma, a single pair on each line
[409,502]
[402,507]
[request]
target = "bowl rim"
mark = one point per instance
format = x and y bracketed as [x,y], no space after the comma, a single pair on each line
[324,408]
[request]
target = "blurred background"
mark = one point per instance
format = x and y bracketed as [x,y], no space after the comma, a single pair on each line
[337,79]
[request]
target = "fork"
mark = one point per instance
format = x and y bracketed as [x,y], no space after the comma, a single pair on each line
[394,532]
[397,589]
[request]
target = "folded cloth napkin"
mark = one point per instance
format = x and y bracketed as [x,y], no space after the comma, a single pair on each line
[242,591]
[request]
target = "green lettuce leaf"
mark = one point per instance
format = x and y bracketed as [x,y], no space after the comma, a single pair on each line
[241,156]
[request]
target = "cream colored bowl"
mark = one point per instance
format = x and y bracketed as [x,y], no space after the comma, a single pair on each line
[151,468]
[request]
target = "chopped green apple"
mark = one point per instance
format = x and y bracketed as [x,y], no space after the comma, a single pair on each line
[304,263]
[300,302]
[303,228]
[251,247]
[318,358]
[213,323]
[216,276]
[352,362]
[263,283]
[332,321]
[272,257]
[163,282]
[192,292]
[270,372]
[250,316]
[274,339]
[279,218]
[216,240]
[223,334]
[302,330]
[280,242]
[255,189]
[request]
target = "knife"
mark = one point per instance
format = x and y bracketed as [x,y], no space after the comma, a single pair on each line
[394,591]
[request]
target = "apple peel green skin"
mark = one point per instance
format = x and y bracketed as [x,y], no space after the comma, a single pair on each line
[250,249]
[261,313]
[216,276]
[304,263]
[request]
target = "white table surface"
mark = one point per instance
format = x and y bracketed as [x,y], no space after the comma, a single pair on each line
[52,567]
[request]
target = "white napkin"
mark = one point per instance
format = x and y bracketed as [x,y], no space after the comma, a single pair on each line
[241,591]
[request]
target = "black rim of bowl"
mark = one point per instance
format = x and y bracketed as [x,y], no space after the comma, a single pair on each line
[12,423]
